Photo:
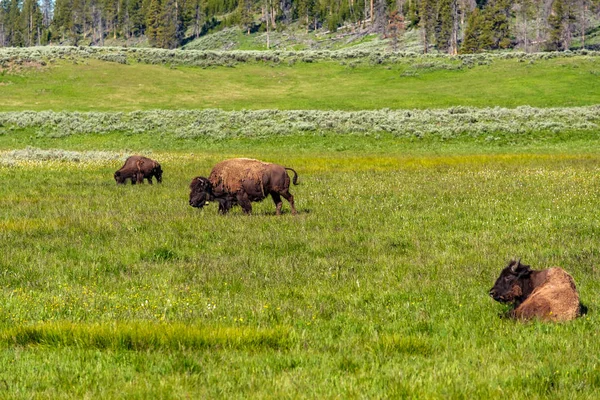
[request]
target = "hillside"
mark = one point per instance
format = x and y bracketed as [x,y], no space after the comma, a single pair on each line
[116,79]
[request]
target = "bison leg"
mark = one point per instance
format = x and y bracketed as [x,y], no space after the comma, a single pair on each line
[223,206]
[244,202]
[288,196]
[278,203]
[140,178]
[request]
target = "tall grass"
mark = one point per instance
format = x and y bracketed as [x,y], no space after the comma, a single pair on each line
[145,336]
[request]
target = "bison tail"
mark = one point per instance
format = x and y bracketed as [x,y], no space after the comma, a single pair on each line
[583,310]
[295,180]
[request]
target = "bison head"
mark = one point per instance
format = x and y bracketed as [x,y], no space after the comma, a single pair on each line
[158,173]
[200,192]
[119,178]
[509,286]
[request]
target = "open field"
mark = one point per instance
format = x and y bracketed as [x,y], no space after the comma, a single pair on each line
[378,288]
[343,85]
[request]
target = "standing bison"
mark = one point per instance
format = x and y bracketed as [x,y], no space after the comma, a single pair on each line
[242,181]
[138,168]
[548,294]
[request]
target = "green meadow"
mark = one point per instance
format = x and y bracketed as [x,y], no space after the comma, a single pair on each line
[93,85]
[378,288]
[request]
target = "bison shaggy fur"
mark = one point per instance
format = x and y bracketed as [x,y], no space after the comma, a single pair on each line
[138,168]
[240,181]
[547,294]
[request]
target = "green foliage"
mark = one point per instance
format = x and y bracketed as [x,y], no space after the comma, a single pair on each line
[444,24]
[560,24]
[498,17]
[455,122]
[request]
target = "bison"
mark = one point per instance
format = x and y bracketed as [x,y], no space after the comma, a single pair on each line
[547,294]
[242,181]
[138,168]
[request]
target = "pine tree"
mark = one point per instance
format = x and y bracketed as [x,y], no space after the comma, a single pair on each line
[15,35]
[153,21]
[498,17]
[169,32]
[477,34]
[413,13]
[427,21]
[111,16]
[63,18]
[197,16]
[4,7]
[245,10]
[307,13]
[136,18]
[444,25]
[31,23]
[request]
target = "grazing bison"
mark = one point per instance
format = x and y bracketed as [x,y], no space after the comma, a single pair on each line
[548,294]
[138,168]
[242,181]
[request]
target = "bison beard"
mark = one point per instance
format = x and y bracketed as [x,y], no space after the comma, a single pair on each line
[548,294]
[240,181]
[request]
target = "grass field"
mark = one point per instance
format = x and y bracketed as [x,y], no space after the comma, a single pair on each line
[102,86]
[378,288]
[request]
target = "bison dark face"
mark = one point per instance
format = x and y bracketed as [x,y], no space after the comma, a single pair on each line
[200,192]
[158,173]
[509,286]
[119,178]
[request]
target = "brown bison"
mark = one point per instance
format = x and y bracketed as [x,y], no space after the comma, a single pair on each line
[138,168]
[242,181]
[547,294]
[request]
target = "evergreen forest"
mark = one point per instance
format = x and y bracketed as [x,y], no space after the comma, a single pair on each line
[444,26]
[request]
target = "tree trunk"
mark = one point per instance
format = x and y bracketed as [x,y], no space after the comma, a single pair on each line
[526,35]
[267,20]
[30,39]
[584,12]
[454,35]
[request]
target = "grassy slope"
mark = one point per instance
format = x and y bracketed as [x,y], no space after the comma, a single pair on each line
[98,85]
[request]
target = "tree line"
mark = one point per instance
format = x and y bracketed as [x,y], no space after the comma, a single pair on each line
[449,26]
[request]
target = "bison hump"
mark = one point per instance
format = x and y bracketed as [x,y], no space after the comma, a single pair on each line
[231,173]
[556,299]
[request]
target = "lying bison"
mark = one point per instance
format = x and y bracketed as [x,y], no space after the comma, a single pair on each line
[242,181]
[138,168]
[548,294]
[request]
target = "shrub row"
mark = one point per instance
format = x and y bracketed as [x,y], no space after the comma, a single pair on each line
[219,124]
[35,154]
[230,58]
